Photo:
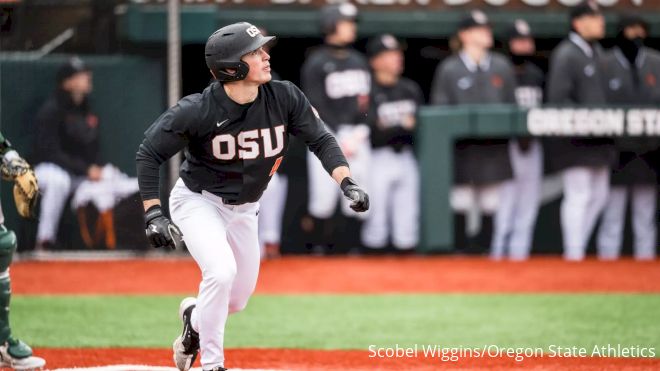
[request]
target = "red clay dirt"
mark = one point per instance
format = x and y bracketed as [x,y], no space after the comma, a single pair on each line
[345,275]
[342,275]
[297,359]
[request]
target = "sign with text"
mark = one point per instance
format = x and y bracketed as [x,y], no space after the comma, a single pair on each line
[559,5]
[596,122]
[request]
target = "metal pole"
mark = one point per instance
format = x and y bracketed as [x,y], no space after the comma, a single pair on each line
[173,74]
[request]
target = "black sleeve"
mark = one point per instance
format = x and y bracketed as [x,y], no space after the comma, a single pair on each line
[168,135]
[396,135]
[48,142]
[307,125]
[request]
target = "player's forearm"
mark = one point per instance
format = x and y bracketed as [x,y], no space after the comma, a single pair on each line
[341,172]
[148,174]
[149,203]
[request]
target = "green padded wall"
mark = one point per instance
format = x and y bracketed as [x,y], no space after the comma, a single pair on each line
[128,96]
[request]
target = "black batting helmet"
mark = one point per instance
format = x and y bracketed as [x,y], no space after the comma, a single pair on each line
[332,14]
[226,46]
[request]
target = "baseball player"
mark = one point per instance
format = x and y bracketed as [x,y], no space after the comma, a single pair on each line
[475,75]
[521,196]
[272,201]
[575,78]
[394,175]
[632,74]
[67,158]
[234,136]
[13,352]
[336,79]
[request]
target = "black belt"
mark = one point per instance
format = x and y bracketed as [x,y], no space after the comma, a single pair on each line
[231,202]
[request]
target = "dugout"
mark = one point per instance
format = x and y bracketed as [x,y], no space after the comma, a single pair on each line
[136,31]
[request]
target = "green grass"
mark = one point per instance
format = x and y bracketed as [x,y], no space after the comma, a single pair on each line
[350,321]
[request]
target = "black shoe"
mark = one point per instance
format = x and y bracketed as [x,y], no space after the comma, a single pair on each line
[186,346]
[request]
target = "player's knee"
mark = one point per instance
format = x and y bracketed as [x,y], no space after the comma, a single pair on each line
[238,305]
[221,277]
[7,247]
[60,184]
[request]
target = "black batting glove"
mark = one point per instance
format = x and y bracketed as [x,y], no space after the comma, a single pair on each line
[161,232]
[359,198]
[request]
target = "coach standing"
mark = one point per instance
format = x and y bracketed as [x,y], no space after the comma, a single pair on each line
[475,75]
[575,78]
[632,73]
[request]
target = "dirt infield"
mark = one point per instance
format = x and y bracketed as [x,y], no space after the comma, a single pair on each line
[345,275]
[340,275]
[295,359]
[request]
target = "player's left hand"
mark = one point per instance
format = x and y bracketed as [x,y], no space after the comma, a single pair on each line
[356,194]
[161,232]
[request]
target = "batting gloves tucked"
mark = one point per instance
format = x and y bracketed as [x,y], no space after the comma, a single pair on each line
[359,198]
[161,232]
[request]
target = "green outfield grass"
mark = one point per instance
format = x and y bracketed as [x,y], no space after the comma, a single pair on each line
[350,321]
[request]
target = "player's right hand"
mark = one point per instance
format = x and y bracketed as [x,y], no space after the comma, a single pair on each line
[161,232]
[359,198]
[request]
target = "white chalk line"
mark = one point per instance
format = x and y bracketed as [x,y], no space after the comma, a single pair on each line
[149,368]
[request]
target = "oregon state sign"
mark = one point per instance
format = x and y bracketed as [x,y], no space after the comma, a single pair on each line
[594,122]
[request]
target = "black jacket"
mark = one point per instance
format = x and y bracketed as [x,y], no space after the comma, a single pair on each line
[637,85]
[576,78]
[459,81]
[67,134]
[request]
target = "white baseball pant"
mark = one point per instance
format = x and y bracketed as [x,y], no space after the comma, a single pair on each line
[56,184]
[394,199]
[475,201]
[223,240]
[585,194]
[519,203]
[323,191]
[645,229]
[105,193]
[271,211]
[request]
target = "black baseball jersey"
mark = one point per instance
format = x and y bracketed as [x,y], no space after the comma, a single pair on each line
[529,88]
[232,150]
[390,106]
[337,81]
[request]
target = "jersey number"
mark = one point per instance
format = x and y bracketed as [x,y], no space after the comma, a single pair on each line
[247,144]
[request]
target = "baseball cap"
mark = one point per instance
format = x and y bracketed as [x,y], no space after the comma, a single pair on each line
[587,7]
[71,67]
[475,18]
[382,43]
[632,19]
[519,29]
